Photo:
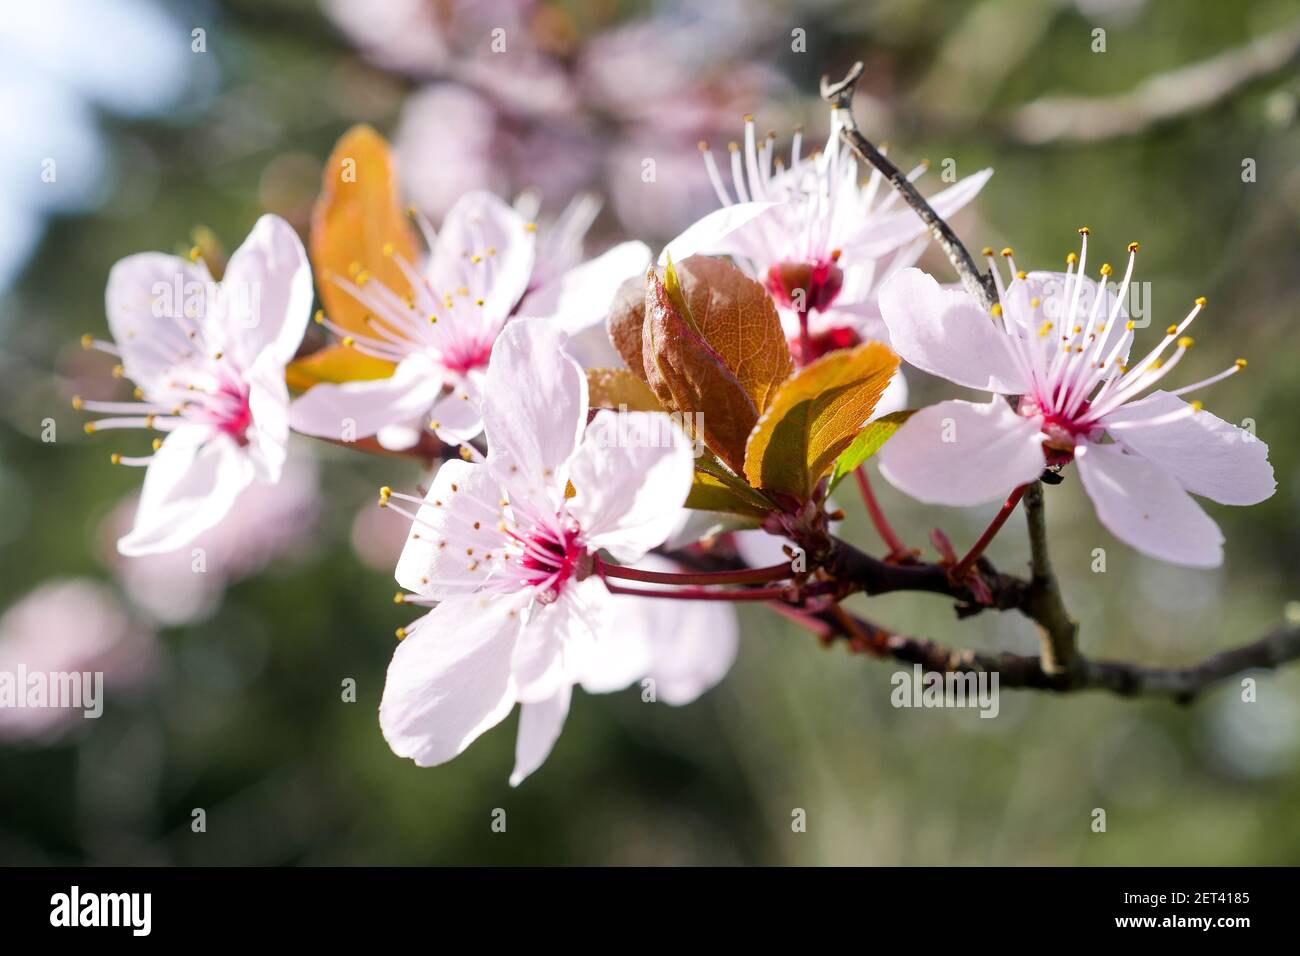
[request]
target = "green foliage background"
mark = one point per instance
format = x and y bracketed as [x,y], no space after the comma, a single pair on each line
[247,721]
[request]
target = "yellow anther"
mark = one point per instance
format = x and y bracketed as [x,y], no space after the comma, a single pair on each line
[349,341]
[387,249]
[1186,342]
[1130,325]
[478,301]
[384,494]
[733,147]
[476,259]
[1197,405]
[157,443]
[1240,363]
[530,227]
[354,268]
[138,393]
[1022,274]
[115,459]
[704,146]
[76,402]
[399,597]
[1172,330]
[987,251]
[195,254]
[1132,247]
[1106,269]
[319,316]
[997,308]
[118,371]
[149,420]
[748,117]
[1085,231]
[433,320]
[89,427]
[401,633]
[1035,302]
[466,452]
[1043,332]
[435,424]
[87,341]
[1008,252]
[363,277]
[1200,300]
[1071,258]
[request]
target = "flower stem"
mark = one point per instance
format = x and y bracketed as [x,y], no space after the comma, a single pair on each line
[962,567]
[775,572]
[896,547]
[704,594]
[805,338]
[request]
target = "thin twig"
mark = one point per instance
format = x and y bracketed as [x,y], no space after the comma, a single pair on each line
[840,96]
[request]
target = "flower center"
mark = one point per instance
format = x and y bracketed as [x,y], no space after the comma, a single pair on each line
[806,286]
[840,337]
[551,556]
[464,356]
[231,413]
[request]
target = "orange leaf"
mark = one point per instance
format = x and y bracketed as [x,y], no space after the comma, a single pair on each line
[816,415]
[615,387]
[357,217]
[335,363]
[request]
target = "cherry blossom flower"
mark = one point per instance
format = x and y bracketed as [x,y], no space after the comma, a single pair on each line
[477,278]
[821,242]
[208,359]
[1060,342]
[505,552]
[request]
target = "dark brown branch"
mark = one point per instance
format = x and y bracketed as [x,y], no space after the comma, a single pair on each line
[1181,684]
[840,96]
[1042,599]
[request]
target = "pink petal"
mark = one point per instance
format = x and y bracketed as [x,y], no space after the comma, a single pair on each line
[266,293]
[482,225]
[540,724]
[458,416]
[559,638]
[449,680]
[887,233]
[534,410]
[943,332]
[581,297]
[145,301]
[1144,506]
[357,409]
[731,230]
[631,473]
[191,484]
[961,454]
[1207,455]
[436,562]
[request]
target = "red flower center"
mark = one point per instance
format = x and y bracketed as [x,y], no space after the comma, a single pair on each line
[806,286]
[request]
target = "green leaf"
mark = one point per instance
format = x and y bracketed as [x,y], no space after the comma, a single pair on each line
[869,441]
[710,494]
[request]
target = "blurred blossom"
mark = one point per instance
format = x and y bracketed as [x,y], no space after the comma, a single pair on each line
[520,118]
[64,626]
[60,60]
[378,537]
[269,523]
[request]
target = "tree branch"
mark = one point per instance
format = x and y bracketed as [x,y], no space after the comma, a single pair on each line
[840,96]
[1043,603]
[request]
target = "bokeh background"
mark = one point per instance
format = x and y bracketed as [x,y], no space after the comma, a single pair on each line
[225,687]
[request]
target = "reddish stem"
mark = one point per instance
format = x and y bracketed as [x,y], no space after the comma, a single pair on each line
[704,594]
[775,572]
[962,567]
[896,547]
[805,339]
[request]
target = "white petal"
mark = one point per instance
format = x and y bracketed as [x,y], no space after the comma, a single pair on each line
[893,398]
[145,300]
[266,293]
[631,475]
[730,230]
[961,454]
[189,486]
[356,409]
[449,680]
[684,647]
[1207,455]
[458,415]
[558,639]
[582,296]
[534,410]
[1145,507]
[540,724]
[944,333]
[759,549]
[268,434]
[484,226]
[883,235]
[436,562]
